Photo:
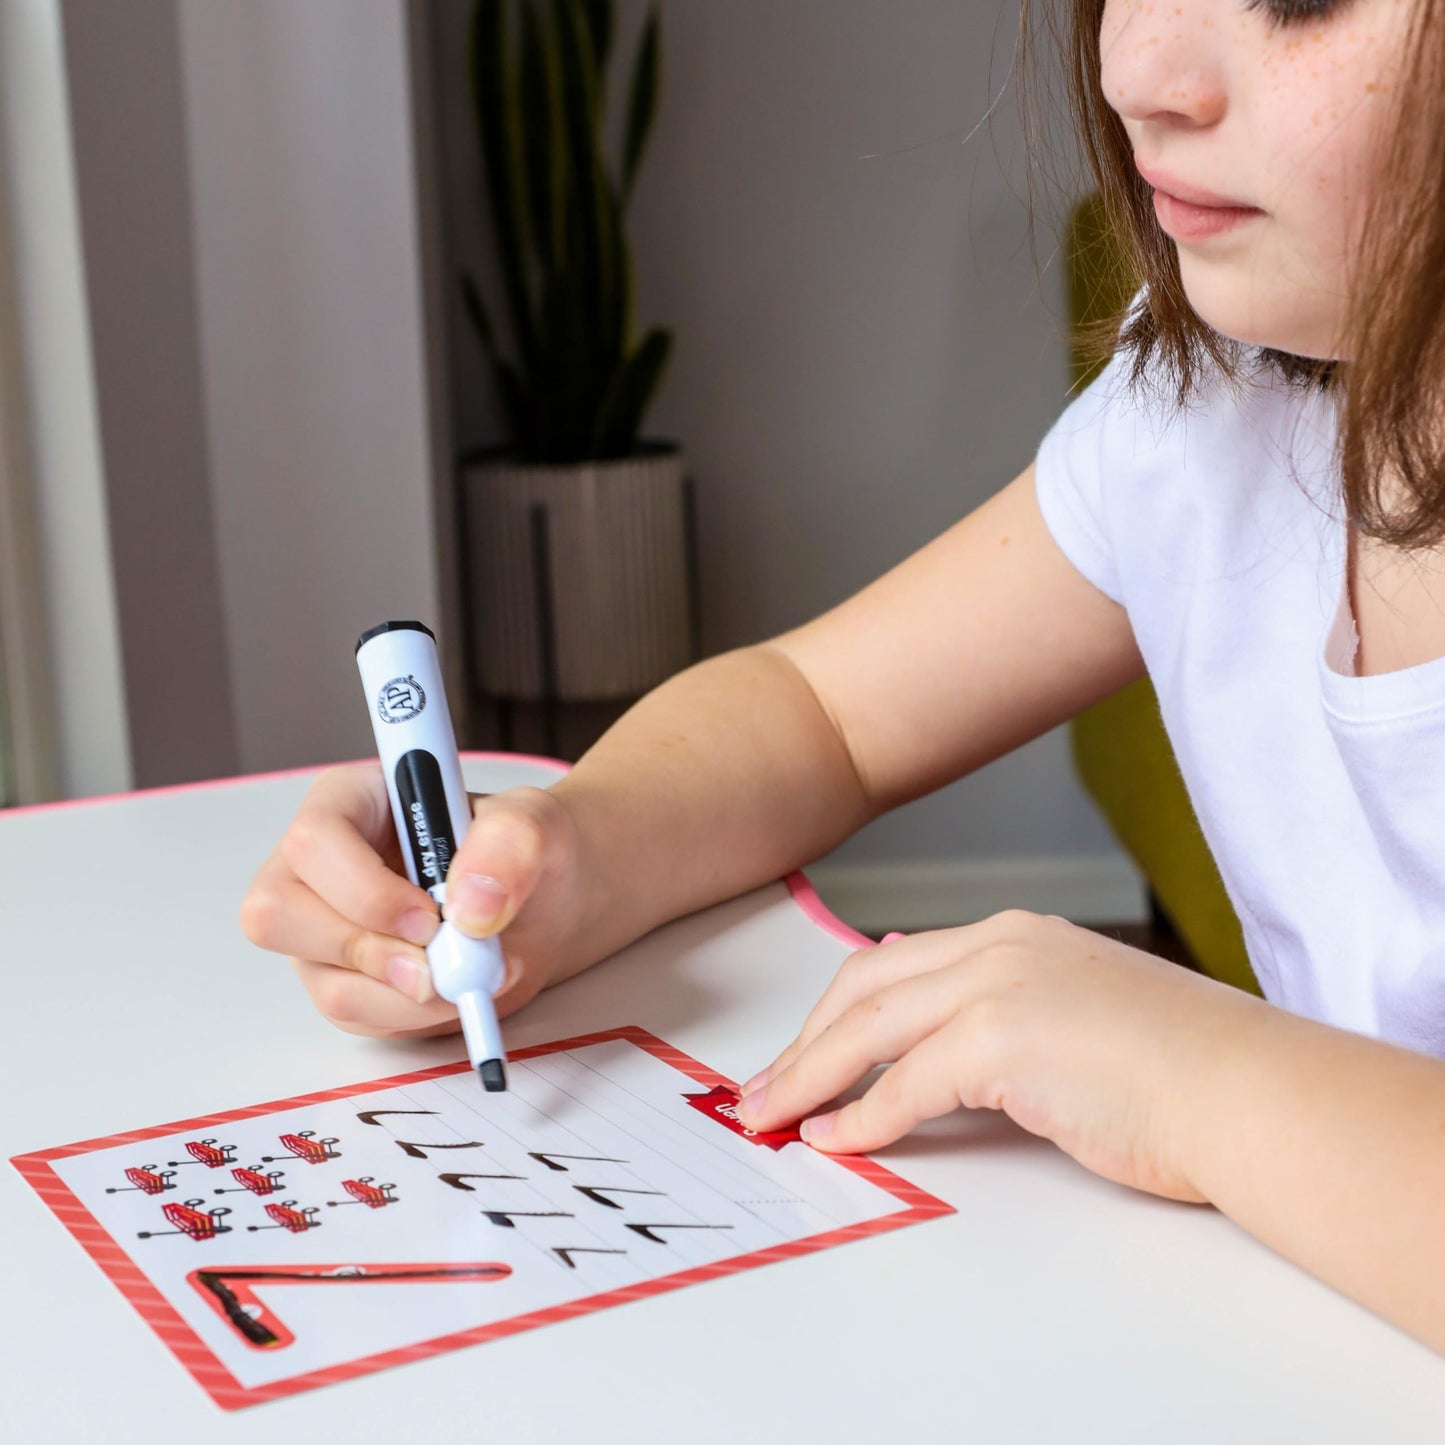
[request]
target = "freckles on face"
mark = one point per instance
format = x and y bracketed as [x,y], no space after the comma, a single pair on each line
[1287,116]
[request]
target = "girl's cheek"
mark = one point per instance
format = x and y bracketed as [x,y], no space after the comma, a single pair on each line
[1111,23]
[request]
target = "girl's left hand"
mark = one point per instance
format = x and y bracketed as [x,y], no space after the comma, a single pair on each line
[1104,1049]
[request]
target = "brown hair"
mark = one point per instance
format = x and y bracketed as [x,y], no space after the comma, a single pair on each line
[1391,391]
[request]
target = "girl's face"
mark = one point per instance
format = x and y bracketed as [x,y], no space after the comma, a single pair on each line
[1268,113]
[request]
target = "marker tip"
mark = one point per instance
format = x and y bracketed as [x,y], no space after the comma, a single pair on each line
[494,1076]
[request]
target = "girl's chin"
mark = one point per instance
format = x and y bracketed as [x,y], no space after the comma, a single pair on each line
[1233,305]
[1241,319]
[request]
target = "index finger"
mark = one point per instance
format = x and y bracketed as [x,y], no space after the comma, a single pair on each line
[863,973]
[875,1030]
[335,846]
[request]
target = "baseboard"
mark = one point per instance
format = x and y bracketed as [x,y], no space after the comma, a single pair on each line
[876,897]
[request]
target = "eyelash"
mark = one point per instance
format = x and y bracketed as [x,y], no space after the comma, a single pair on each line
[1292,12]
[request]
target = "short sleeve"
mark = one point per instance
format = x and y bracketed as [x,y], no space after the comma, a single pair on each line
[1070,474]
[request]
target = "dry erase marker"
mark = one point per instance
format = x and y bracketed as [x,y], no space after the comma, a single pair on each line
[418,751]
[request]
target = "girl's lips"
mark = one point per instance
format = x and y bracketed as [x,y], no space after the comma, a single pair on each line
[1189,221]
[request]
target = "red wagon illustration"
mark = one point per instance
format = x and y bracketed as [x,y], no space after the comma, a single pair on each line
[147,1180]
[252,1181]
[306,1146]
[190,1219]
[364,1191]
[287,1216]
[207,1152]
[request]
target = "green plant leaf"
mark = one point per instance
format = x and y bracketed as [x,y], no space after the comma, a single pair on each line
[567,403]
[575,388]
[642,98]
[552,378]
[612,339]
[543,138]
[494,93]
[477,311]
[620,419]
[595,235]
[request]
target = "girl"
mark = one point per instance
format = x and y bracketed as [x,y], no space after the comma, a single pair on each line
[1249,502]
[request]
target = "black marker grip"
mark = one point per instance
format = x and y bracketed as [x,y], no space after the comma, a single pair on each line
[429,834]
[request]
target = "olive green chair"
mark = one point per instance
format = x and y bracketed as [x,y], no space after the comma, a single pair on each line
[1120,749]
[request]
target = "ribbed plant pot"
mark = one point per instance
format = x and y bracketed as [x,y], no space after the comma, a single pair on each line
[579,578]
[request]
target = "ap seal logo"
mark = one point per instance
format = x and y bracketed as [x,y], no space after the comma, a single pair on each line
[400,700]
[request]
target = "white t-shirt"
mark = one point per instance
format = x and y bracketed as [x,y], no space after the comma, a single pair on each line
[1320,793]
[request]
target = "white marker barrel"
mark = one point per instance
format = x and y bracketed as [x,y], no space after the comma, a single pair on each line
[418,750]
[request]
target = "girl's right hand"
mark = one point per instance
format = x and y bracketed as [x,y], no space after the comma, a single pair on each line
[335,898]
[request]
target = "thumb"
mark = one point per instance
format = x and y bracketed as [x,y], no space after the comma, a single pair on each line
[498,863]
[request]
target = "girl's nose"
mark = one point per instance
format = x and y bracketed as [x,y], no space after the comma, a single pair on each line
[1161,61]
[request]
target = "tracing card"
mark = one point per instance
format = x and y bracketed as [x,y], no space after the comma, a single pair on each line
[302,1242]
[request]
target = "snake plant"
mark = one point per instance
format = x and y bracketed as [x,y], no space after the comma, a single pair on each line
[574,385]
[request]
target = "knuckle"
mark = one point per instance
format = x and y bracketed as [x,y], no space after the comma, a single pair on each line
[1015,923]
[356,952]
[539,802]
[531,839]
[983,1036]
[378,911]
[328,779]
[303,839]
[335,997]
[864,1015]
[261,915]
[556,826]
[342,779]
[506,833]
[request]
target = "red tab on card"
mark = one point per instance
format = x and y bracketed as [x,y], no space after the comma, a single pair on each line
[722,1104]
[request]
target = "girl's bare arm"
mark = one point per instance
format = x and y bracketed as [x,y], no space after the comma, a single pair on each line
[757,761]
[727,776]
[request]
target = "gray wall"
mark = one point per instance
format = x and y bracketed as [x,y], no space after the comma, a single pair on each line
[133,186]
[309,278]
[864,347]
[227,365]
[59,430]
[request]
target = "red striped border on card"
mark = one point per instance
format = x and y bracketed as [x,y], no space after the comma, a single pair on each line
[230,1394]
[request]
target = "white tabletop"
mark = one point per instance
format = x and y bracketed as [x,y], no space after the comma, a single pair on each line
[1052,1306]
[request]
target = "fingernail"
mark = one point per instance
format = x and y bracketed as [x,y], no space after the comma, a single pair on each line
[891,938]
[756,1082]
[417,926]
[408,976]
[475,902]
[751,1103]
[819,1126]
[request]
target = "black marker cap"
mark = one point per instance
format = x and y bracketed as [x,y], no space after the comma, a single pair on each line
[494,1076]
[392,627]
